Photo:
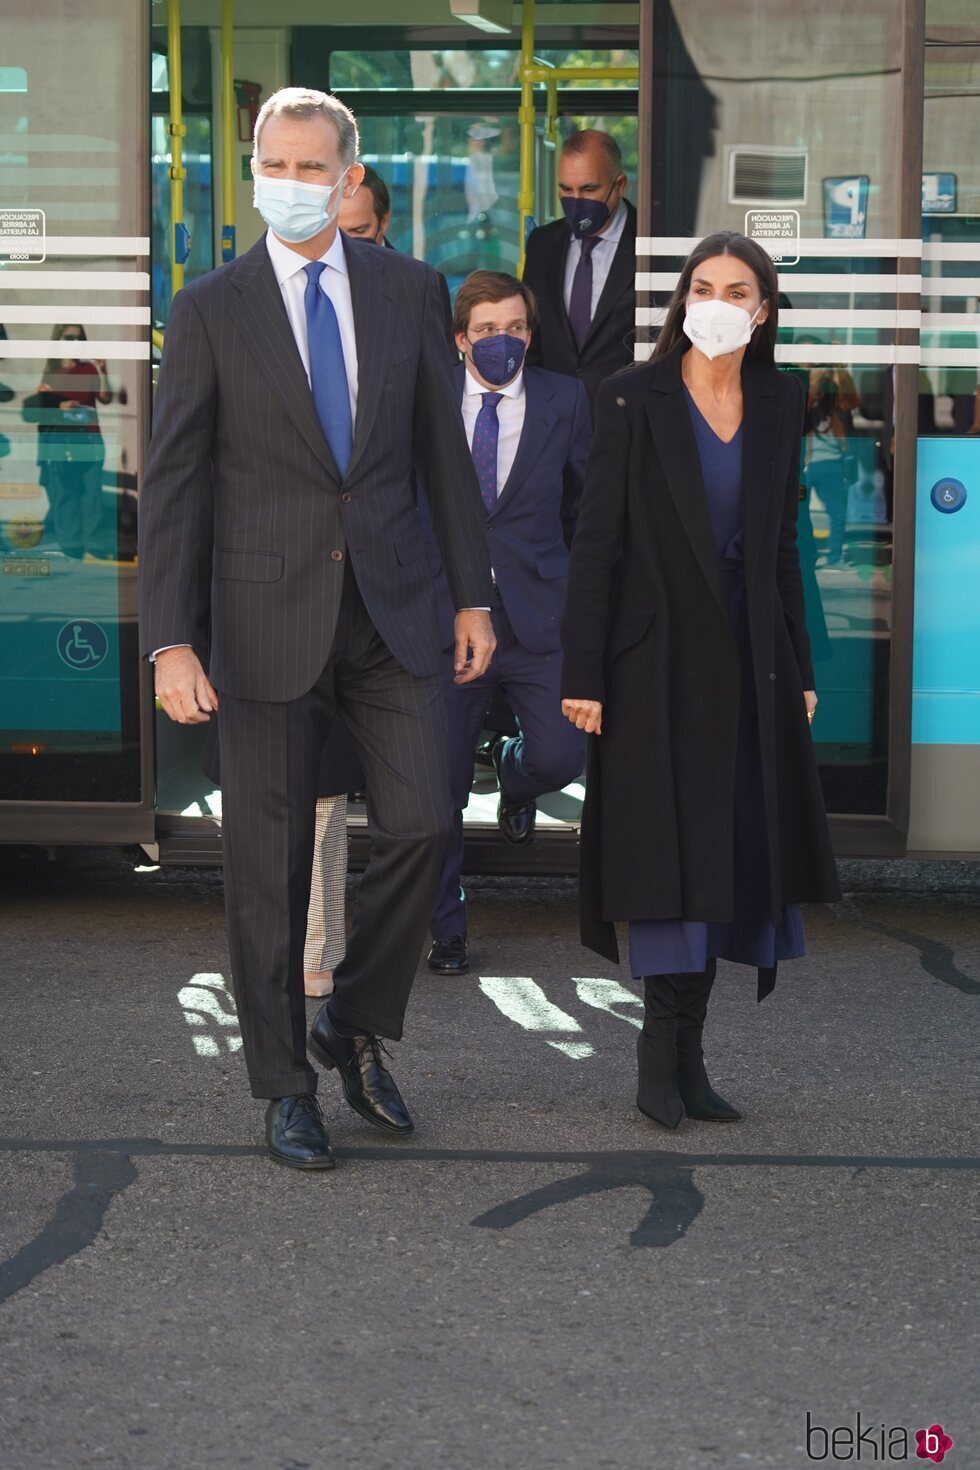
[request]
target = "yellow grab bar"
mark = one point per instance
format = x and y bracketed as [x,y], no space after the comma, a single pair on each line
[228,117]
[525,118]
[179,239]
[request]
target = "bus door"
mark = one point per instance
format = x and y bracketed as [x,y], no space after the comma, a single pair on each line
[74,350]
[945,811]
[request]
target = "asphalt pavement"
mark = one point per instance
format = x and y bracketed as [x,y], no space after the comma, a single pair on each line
[539,1277]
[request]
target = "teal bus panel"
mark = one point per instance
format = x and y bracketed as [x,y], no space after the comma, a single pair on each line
[946,644]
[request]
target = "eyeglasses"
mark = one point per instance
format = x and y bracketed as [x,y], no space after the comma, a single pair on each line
[495,331]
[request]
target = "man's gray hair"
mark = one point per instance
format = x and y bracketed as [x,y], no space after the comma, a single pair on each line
[587,138]
[304,102]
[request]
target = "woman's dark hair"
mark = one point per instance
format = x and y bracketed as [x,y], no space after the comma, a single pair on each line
[762,347]
[53,364]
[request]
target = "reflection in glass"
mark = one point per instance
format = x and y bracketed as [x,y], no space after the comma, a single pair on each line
[72,344]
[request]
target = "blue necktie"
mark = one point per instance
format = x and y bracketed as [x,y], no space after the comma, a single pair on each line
[328,371]
[485,432]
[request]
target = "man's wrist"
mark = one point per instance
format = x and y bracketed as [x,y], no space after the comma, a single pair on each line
[166,649]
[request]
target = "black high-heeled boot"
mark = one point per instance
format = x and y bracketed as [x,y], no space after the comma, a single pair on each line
[697,1094]
[656,1053]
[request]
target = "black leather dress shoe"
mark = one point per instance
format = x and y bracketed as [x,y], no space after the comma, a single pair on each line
[514,818]
[368,1085]
[448,956]
[296,1133]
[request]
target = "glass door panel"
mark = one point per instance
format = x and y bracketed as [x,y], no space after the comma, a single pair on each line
[73,347]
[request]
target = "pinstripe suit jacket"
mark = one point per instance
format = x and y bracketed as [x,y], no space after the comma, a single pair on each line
[245,522]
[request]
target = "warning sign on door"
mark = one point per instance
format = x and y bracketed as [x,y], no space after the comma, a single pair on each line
[778,230]
[22,236]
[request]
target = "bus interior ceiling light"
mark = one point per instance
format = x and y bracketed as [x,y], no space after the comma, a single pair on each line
[487,15]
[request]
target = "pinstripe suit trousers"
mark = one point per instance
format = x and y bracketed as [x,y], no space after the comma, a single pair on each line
[270,758]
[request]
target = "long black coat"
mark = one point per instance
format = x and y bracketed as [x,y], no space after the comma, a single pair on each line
[646,632]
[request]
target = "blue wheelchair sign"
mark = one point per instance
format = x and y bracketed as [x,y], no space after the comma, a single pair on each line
[82,645]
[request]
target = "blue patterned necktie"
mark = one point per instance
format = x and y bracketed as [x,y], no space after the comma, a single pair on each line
[485,433]
[328,370]
[580,301]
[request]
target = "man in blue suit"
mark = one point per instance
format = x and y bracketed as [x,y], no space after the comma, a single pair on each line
[529,432]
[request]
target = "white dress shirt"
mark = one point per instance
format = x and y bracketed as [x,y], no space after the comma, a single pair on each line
[510,417]
[335,282]
[603,254]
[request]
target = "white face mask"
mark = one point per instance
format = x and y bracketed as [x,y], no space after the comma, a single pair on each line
[718,327]
[295,211]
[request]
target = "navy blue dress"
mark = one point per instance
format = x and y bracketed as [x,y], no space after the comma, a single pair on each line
[681,946]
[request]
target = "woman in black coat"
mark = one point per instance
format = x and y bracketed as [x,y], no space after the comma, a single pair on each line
[687,660]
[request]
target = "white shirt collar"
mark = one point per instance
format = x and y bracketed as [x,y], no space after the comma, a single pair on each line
[286,262]
[614,233]
[511,390]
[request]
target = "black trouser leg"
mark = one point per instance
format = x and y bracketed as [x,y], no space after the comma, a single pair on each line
[699,1097]
[397,724]
[270,756]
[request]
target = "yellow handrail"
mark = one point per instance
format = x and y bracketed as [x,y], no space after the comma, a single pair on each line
[525,118]
[551,138]
[177,132]
[587,73]
[227,129]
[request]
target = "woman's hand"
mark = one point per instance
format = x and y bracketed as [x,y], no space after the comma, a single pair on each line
[810,700]
[585,714]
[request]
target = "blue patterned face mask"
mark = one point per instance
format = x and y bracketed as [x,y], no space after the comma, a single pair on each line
[294,211]
[498,359]
[587,216]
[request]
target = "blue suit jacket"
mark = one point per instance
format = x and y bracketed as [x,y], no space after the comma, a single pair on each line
[530,528]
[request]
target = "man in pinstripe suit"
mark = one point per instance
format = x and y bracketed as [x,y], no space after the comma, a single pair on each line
[280,550]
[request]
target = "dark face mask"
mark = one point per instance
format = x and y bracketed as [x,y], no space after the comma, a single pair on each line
[71,339]
[587,216]
[498,359]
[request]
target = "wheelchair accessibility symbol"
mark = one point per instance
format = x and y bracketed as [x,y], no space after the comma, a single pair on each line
[82,645]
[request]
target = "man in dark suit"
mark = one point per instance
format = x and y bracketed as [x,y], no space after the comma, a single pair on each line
[281,550]
[529,433]
[582,268]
